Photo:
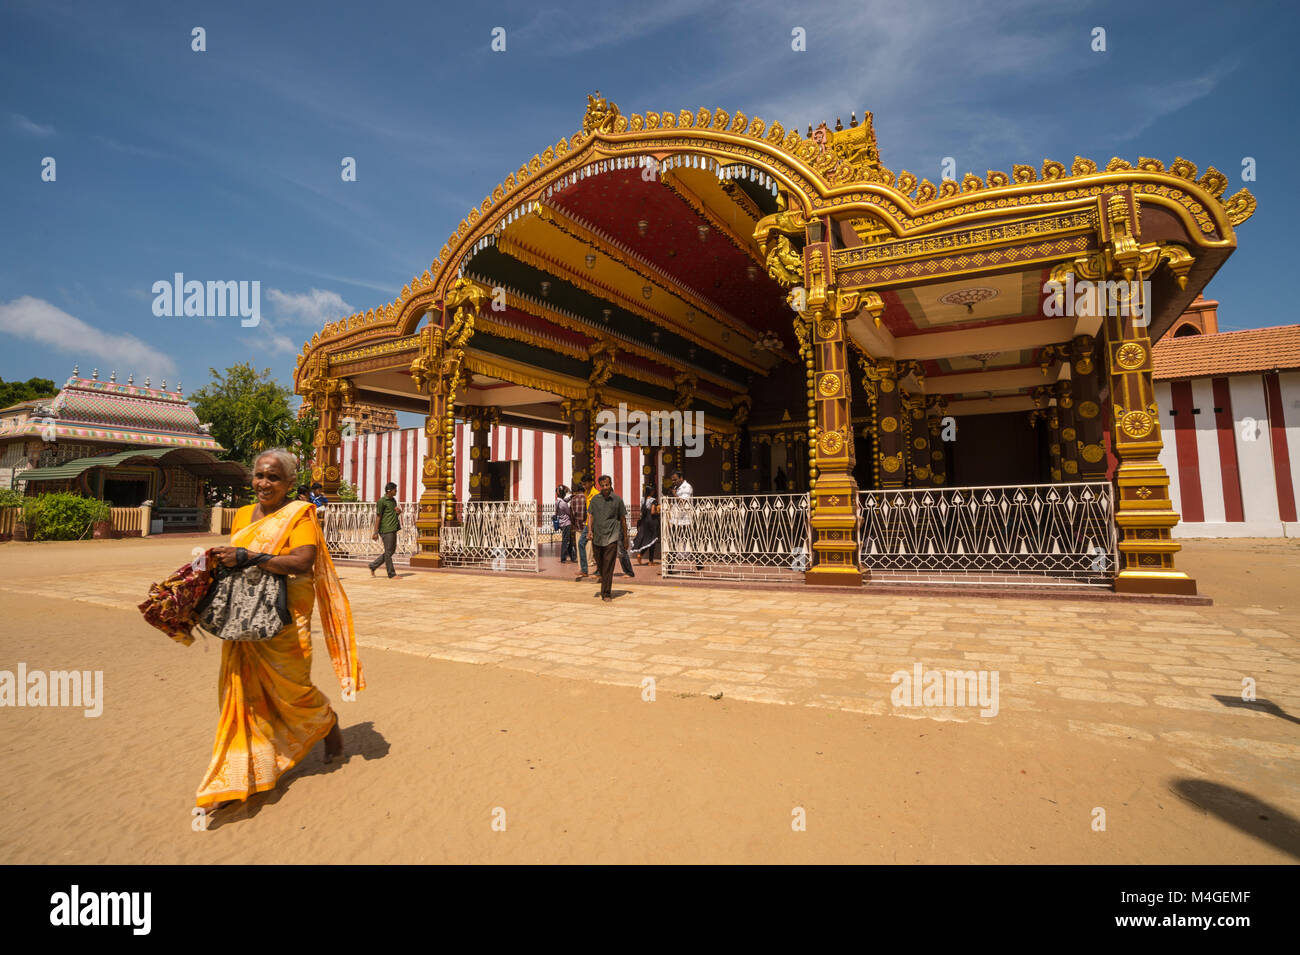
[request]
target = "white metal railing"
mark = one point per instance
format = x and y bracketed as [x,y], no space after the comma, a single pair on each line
[546,531]
[348,528]
[738,537]
[496,535]
[1042,534]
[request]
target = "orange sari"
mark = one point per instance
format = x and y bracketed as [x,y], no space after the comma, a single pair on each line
[271,713]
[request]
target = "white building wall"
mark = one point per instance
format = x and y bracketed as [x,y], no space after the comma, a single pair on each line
[1253,442]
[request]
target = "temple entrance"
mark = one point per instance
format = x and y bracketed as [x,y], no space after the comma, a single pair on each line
[497,475]
[126,492]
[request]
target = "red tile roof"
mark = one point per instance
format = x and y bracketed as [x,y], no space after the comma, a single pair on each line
[1228,353]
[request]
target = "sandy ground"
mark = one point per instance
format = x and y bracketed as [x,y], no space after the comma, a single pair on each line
[592,773]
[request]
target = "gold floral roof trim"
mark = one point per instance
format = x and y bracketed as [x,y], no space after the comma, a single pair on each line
[841,157]
[1239,207]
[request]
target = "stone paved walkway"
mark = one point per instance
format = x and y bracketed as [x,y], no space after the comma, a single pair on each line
[1113,669]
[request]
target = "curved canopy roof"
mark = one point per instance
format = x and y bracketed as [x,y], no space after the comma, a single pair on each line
[637,234]
[202,463]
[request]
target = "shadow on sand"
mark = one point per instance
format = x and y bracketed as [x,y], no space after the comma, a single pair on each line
[361,740]
[1260,706]
[1238,808]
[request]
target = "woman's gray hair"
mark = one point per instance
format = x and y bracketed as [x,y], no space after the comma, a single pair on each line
[287,461]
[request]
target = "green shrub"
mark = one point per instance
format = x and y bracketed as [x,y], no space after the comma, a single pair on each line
[347,492]
[10,498]
[62,516]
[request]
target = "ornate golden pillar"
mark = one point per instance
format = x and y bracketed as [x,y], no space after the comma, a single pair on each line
[893,456]
[650,469]
[833,488]
[731,446]
[577,417]
[674,457]
[1144,511]
[938,456]
[482,420]
[761,474]
[881,374]
[1069,433]
[328,395]
[437,372]
[918,437]
[1044,410]
[1086,386]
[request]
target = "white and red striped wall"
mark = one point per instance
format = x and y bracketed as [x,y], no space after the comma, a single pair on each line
[540,461]
[1232,450]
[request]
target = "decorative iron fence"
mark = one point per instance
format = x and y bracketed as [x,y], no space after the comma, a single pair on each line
[495,535]
[349,526]
[546,531]
[1042,534]
[749,537]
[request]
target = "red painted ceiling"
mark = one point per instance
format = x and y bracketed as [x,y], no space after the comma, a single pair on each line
[616,201]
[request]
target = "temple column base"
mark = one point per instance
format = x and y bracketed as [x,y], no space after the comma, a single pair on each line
[835,576]
[1155,582]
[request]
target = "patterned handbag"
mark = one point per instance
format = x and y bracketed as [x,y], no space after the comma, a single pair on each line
[245,603]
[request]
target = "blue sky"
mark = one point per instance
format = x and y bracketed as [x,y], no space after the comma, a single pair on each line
[225,164]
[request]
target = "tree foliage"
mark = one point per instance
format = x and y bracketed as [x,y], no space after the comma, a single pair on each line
[250,412]
[12,392]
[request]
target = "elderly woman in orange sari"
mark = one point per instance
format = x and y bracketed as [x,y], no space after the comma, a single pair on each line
[271,712]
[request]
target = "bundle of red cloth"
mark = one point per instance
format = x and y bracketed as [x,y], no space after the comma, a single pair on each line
[170,604]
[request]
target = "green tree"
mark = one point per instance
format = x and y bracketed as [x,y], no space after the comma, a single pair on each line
[12,392]
[249,412]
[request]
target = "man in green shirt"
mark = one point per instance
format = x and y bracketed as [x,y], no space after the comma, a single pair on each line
[387,524]
[607,519]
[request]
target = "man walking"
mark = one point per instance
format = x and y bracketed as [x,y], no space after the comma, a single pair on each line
[608,520]
[387,524]
[578,517]
[564,521]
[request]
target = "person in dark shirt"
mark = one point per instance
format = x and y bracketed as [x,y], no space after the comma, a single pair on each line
[320,500]
[608,522]
[387,524]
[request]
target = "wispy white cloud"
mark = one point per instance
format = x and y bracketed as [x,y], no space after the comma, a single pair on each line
[561,32]
[310,308]
[390,289]
[273,341]
[37,320]
[130,148]
[1157,100]
[25,125]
